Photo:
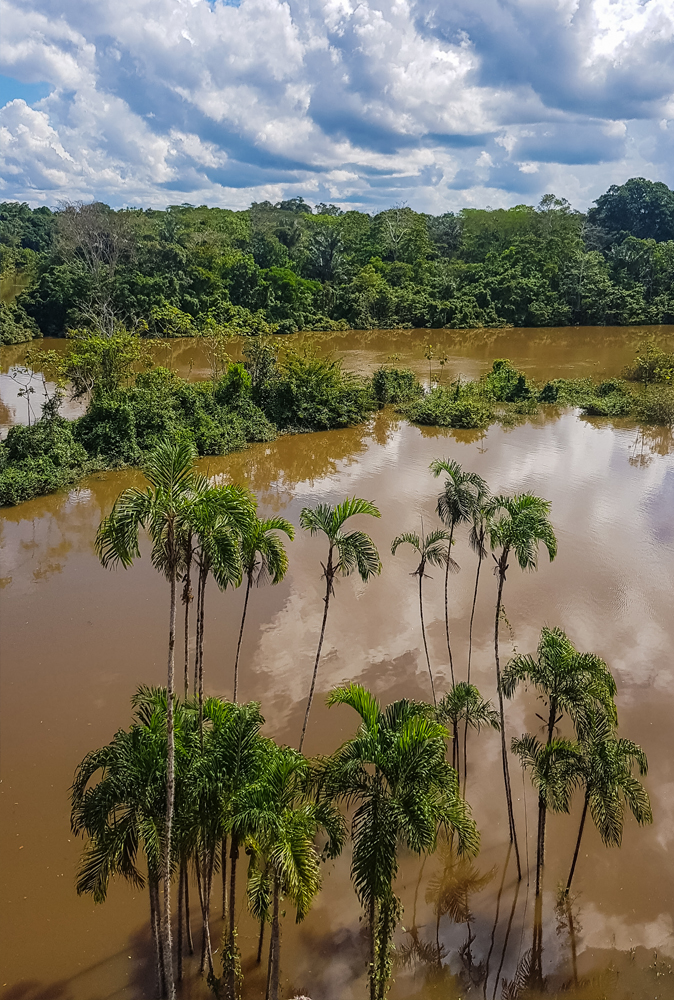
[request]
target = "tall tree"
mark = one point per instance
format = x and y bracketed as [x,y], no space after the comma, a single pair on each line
[456,505]
[162,510]
[264,557]
[347,551]
[284,820]
[464,703]
[554,769]
[518,525]
[394,771]
[432,551]
[606,774]
[483,511]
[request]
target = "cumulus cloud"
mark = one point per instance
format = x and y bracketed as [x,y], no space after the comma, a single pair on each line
[364,103]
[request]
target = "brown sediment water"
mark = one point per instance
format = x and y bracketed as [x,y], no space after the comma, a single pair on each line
[76,641]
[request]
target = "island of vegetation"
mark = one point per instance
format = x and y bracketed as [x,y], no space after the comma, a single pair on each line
[292,266]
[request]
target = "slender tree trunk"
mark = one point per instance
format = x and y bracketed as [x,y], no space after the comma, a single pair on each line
[188,923]
[572,942]
[537,947]
[540,841]
[204,901]
[203,578]
[223,867]
[170,795]
[328,587]
[238,645]
[578,840]
[472,613]
[270,960]
[438,914]
[197,637]
[155,921]
[502,567]
[465,757]
[423,633]
[373,931]
[276,944]
[231,966]
[449,646]
[507,938]
[181,917]
[456,763]
[260,941]
[187,600]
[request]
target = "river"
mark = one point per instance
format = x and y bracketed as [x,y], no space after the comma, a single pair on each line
[77,640]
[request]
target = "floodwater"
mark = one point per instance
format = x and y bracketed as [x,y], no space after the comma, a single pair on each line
[77,640]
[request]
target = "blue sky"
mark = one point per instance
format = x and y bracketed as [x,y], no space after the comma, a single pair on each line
[435,104]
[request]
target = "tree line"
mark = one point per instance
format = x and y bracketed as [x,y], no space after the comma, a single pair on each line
[193,781]
[289,266]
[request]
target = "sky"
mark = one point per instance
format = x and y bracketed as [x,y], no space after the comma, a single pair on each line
[437,104]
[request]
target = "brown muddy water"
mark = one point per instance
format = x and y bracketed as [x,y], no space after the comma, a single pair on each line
[76,641]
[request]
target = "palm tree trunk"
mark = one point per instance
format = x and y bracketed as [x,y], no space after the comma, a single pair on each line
[269,964]
[328,587]
[181,897]
[438,914]
[373,930]
[153,888]
[540,841]
[465,757]
[223,866]
[187,600]
[238,645]
[472,613]
[423,633]
[170,795]
[507,937]
[502,567]
[578,840]
[456,763]
[260,941]
[492,940]
[276,943]
[449,556]
[197,637]
[204,901]
[188,923]
[231,967]
[203,578]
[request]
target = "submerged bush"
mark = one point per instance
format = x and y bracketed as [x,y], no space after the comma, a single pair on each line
[39,459]
[395,385]
[310,393]
[504,383]
[447,407]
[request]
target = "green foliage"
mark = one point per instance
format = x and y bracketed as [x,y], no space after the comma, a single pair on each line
[395,385]
[306,392]
[450,407]
[504,383]
[16,327]
[40,459]
[280,268]
[651,365]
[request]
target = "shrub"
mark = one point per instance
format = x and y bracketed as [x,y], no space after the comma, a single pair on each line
[395,385]
[504,383]
[449,407]
[311,393]
[655,406]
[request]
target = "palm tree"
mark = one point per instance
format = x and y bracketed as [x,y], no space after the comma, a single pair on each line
[606,770]
[125,810]
[567,680]
[394,771]
[162,510]
[456,505]
[264,557]
[347,551]
[555,771]
[431,551]
[465,703]
[284,821]
[483,511]
[517,525]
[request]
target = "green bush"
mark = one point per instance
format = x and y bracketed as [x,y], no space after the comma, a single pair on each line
[311,393]
[449,407]
[655,406]
[504,383]
[395,385]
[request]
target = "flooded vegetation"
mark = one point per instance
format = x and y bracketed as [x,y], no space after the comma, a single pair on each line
[595,614]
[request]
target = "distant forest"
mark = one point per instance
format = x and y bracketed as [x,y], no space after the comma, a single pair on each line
[292,266]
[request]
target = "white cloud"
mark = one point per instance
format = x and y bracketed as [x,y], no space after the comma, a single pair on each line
[367,102]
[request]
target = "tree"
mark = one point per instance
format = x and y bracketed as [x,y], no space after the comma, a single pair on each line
[124,810]
[347,551]
[263,556]
[457,504]
[554,768]
[606,772]
[431,551]
[640,207]
[482,513]
[162,510]
[464,703]
[284,820]
[394,771]
[517,525]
